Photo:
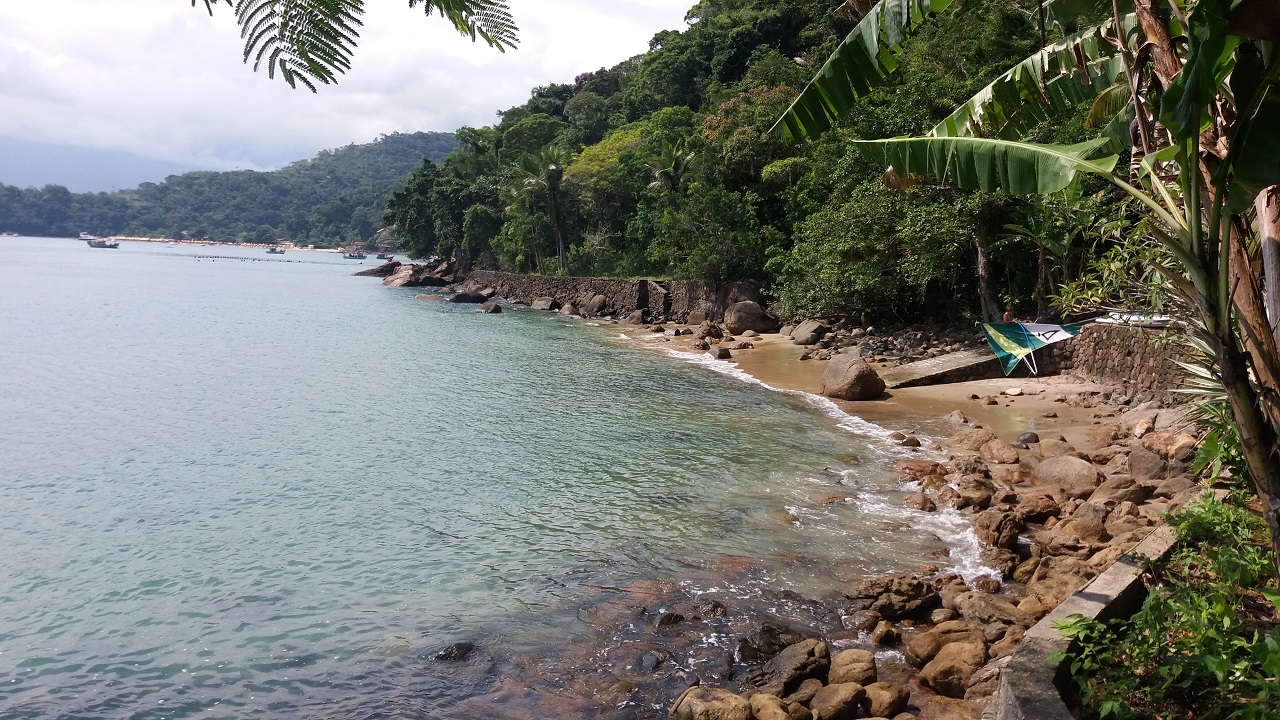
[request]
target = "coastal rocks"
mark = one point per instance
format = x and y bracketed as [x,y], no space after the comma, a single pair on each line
[747,315]
[384,270]
[545,303]
[457,652]
[636,317]
[430,275]
[992,614]
[490,308]
[999,452]
[466,297]
[925,646]
[917,468]
[895,596]
[1077,478]
[838,701]
[809,332]
[949,672]
[853,666]
[848,377]
[768,707]
[971,439]
[1161,455]
[706,703]
[885,700]
[720,353]
[784,672]
[998,528]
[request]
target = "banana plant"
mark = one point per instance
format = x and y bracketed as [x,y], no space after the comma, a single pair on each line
[1213,80]
[311,41]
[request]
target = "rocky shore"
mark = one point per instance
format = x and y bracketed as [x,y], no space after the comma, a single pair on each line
[1056,493]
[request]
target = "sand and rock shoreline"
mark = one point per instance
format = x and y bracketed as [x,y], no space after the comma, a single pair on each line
[1059,477]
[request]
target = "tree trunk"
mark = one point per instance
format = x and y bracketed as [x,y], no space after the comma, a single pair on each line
[1044,286]
[555,226]
[1268,208]
[990,308]
[1258,437]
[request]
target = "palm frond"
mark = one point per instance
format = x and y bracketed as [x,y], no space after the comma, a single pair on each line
[1108,104]
[859,64]
[310,42]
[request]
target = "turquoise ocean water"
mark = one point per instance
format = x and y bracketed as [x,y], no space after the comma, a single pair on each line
[256,486]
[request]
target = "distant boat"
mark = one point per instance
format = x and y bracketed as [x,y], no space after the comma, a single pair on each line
[103,243]
[275,251]
[354,256]
[384,256]
[10,234]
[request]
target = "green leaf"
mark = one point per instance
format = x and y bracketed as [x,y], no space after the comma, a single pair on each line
[1257,149]
[859,64]
[990,164]
[1210,57]
[1271,595]
[1065,11]
[1047,84]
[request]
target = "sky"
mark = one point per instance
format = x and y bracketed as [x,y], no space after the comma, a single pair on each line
[162,82]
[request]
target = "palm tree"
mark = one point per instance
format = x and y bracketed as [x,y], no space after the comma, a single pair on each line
[542,172]
[311,41]
[1211,75]
[670,166]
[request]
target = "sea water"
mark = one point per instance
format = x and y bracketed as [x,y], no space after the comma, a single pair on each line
[240,485]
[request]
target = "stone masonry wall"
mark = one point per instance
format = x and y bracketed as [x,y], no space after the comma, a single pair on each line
[1140,359]
[672,300]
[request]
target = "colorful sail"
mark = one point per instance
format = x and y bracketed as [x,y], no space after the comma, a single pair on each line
[1013,342]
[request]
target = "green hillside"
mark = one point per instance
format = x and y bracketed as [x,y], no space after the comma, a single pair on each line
[333,198]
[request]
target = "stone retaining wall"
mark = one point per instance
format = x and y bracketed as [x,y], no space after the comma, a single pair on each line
[672,300]
[1139,359]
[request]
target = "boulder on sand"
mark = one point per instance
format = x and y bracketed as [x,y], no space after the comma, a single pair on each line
[747,315]
[848,377]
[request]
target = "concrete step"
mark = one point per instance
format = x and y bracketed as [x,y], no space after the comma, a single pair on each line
[952,367]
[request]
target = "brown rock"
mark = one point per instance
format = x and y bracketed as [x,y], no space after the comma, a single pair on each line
[885,699]
[1076,477]
[805,692]
[925,646]
[998,528]
[885,634]
[1119,489]
[992,614]
[768,707]
[747,315]
[853,666]
[1051,447]
[861,620]
[706,703]
[1037,507]
[1009,642]
[1101,436]
[916,468]
[948,673]
[920,501]
[971,439]
[848,377]
[999,452]
[1059,577]
[1037,606]
[795,664]
[1000,559]
[839,701]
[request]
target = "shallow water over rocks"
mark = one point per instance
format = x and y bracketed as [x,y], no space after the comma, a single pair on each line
[239,487]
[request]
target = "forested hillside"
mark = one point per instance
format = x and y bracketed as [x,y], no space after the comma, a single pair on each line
[333,198]
[664,166]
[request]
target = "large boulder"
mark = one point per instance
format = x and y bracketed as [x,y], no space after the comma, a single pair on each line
[999,452]
[747,315]
[838,701]
[738,291]
[992,614]
[1059,577]
[896,596]
[795,664]
[853,666]
[768,707]
[809,332]
[706,703]
[848,377]
[489,308]
[386,269]
[885,699]
[595,305]
[1077,478]
[925,646]
[466,297]
[948,673]
[998,528]
[971,439]
[545,303]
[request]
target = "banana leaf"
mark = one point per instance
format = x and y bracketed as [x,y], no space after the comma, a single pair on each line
[859,64]
[991,164]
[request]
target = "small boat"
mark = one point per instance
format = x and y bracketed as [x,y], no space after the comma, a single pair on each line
[384,256]
[354,256]
[96,242]
[275,251]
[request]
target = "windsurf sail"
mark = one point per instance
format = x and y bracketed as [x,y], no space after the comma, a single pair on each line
[1015,342]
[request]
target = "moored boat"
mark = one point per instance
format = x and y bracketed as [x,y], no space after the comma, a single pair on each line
[275,251]
[354,255]
[97,242]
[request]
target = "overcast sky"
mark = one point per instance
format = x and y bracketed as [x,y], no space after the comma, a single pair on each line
[161,79]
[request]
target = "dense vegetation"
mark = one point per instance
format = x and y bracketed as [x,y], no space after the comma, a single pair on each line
[334,198]
[664,166]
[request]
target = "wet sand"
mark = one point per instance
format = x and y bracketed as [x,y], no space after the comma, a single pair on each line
[774,361]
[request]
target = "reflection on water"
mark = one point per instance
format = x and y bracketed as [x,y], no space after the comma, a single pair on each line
[253,489]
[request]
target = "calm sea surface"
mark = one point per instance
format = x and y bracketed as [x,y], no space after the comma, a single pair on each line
[260,487]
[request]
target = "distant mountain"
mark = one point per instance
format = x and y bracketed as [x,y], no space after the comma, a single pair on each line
[334,198]
[25,163]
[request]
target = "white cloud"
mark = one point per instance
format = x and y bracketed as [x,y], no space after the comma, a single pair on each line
[164,80]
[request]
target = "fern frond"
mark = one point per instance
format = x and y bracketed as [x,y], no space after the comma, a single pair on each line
[306,41]
[490,20]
